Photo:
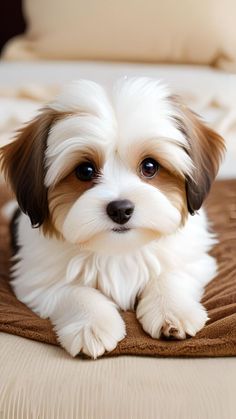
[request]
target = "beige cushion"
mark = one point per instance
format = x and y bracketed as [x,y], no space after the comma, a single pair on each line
[43,381]
[186,31]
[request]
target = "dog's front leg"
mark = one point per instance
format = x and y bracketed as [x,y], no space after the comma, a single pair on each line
[169,305]
[86,321]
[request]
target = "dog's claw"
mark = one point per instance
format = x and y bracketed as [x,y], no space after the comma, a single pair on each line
[172,332]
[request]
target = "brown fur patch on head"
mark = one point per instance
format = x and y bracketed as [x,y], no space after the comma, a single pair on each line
[69,188]
[22,162]
[173,187]
[206,149]
[60,200]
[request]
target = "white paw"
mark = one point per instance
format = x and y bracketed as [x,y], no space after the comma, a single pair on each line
[173,322]
[91,334]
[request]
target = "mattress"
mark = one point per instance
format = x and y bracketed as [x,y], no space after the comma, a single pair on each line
[41,381]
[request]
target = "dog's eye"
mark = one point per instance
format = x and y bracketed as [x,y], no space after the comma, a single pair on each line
[149,167]
[85,171]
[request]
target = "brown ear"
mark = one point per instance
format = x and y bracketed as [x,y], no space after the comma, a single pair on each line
[206,149]
[23,165]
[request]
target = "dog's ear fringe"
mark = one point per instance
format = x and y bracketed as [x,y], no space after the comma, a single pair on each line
[206,149]
[22,162]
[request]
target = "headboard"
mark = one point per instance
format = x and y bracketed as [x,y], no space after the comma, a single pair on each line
[11,20]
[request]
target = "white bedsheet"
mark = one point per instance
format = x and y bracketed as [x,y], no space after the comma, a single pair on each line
[25,86]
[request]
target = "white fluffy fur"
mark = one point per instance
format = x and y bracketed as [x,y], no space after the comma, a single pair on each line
[80,283]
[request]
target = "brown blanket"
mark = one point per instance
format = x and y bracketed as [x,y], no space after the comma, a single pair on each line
[218,338]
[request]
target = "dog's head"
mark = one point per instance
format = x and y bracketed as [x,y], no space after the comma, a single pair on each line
[112,171]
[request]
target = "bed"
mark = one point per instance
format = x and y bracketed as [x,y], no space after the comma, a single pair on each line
[40,380]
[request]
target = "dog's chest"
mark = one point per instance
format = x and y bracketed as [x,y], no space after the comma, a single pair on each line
[120,277]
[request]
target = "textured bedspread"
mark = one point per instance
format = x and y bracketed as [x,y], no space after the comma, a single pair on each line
[218,338]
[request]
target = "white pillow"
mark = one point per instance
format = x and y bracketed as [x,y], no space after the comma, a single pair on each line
[183,31]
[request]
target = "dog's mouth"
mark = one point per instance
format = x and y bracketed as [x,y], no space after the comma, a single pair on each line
[120,229]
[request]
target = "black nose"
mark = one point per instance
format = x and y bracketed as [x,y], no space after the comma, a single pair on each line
[120,211]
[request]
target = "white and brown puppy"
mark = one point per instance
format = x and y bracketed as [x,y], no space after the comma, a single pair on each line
[109,181]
